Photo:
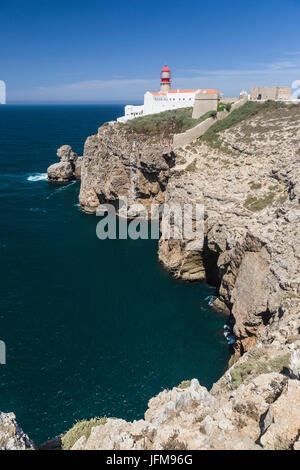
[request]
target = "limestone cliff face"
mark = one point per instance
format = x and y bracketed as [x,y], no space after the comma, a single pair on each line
[119,163]
[248,184]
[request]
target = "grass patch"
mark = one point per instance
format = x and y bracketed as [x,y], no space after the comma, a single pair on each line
[253,204]
[192,166]
[174,121]
[82,428]
[247,111]
[252,368]
[169,122]
[184,384]
[255,186]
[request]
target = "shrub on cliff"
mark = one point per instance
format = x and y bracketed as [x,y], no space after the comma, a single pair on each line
[169,122]
[221,106]
[82,428]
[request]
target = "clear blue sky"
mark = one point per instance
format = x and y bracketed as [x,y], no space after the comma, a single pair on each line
[93,51]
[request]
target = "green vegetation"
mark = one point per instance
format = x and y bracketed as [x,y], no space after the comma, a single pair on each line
[221,106]
[192,166]
[255,186]
[254,204]
[82,428]
[224,107]
[253,367]
[184,384]
[173,121]
[247,111]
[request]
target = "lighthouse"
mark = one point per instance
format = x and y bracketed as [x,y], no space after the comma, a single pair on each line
[165,79]
[167,99]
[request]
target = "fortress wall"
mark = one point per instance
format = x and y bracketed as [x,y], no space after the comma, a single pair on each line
[180,140]
[271,93]
[204,103]
[229,100]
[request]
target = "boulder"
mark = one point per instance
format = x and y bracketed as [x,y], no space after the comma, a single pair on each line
[60,172]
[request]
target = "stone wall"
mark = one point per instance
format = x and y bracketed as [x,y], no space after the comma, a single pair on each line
[270,93]
[205,102]
[229,100]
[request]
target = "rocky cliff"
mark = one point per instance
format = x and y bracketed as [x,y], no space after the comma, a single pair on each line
[121,163]
[247,178]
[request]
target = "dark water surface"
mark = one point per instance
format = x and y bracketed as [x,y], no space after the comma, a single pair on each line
[91,327]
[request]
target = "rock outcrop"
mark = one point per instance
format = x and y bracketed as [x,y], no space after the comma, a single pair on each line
[247,181]
[261,415]
[11,435]
[69,167]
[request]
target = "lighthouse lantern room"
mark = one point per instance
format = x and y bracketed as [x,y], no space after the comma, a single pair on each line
[165,79]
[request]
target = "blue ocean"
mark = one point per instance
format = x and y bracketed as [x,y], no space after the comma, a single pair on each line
[91,327]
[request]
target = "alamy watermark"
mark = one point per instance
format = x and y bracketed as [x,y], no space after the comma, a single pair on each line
[183,222]
[2,92]
[2,352]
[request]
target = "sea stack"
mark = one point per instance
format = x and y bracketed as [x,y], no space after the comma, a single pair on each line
[68,169]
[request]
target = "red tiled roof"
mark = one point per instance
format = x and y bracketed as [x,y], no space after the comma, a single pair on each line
[182,91]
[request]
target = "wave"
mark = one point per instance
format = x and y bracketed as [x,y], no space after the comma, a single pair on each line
[210,299]
[37,209]
[61,188]
[65,186]
[37,177]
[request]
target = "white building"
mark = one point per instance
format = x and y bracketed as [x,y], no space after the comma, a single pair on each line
[165,99]
[2,92]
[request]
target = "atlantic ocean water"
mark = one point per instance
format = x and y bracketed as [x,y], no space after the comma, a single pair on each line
[92,328]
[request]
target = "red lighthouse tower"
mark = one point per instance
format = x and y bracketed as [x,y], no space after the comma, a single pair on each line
[165,79]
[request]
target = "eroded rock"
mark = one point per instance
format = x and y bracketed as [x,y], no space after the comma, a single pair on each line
[69,167]
[12,436]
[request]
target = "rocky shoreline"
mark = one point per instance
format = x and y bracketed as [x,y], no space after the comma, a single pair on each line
[248,179]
